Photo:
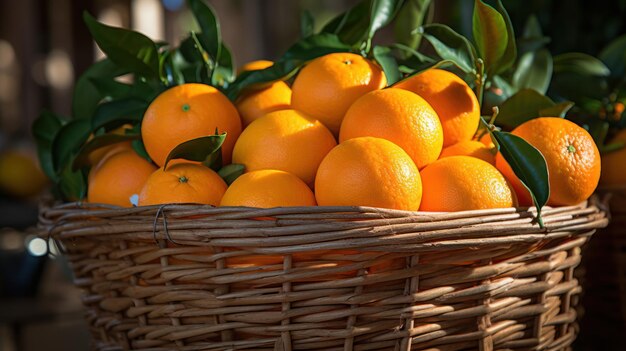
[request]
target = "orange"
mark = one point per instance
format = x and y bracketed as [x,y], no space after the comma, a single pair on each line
[327,86]
[460,183]
[455,102]
[368,171]
[255,66]
[187,112]
[183,183]
[399,116]
[268,188]
[285,140]
[97,155]
[470,148]
[571,155]
[117,177]
[256,103]
[486,140]
[613,163]
[618,109]
[19,174]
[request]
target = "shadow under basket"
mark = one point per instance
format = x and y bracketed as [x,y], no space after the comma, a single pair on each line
[190,277]
[603,275]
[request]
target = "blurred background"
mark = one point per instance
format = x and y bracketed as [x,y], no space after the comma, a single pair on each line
[45,46]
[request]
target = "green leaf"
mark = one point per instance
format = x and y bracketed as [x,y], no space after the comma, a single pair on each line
[231,172]
[44,129]
[199,149]
[68,141]
[296,56]
[351,26]
[421,68]
[223,73]
[411,57]
[558,110]
[532,38]
[46,126]
[87,96]
[140,149]
[510,54]
[191,49]
[117,112]
[359,24]
[82,159]
[450,45]
[409,19]
[126,48]
[214,160]
[505,86]
[387,61]
[307,24]
[614,56]
[494,37]
[490,35]
[170,76]
[534,71]
[72,184]
[189,60]
[381,13]
[522,106]
[110,87]
[580,64]
[578,87]
[529,166]
[532,28]
[210,38]
[113,89]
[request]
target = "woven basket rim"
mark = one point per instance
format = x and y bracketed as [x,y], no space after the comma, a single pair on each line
[296,229]
[47,206]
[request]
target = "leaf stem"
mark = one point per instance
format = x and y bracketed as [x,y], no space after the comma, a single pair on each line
[540,219]
[480,80]
[494,115]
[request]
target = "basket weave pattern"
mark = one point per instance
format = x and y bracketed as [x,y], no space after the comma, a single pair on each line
[190,277]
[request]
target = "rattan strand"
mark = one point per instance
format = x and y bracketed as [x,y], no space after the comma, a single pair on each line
[190,277]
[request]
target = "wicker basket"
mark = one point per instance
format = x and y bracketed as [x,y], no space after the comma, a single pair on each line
[603,272]
[190,277]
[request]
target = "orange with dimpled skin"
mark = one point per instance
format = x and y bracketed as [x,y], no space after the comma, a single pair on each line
[455,102]
[571,155]
[183,183]
[471,148]
[255,102]
[462,183]
[287,140]
[118,176]
[268,188]
[368,171]
[399,116]
[327,86]
[186,112]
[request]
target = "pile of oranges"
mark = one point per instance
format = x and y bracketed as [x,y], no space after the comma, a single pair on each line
[338,136]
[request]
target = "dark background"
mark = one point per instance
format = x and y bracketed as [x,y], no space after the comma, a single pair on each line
[44,47]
